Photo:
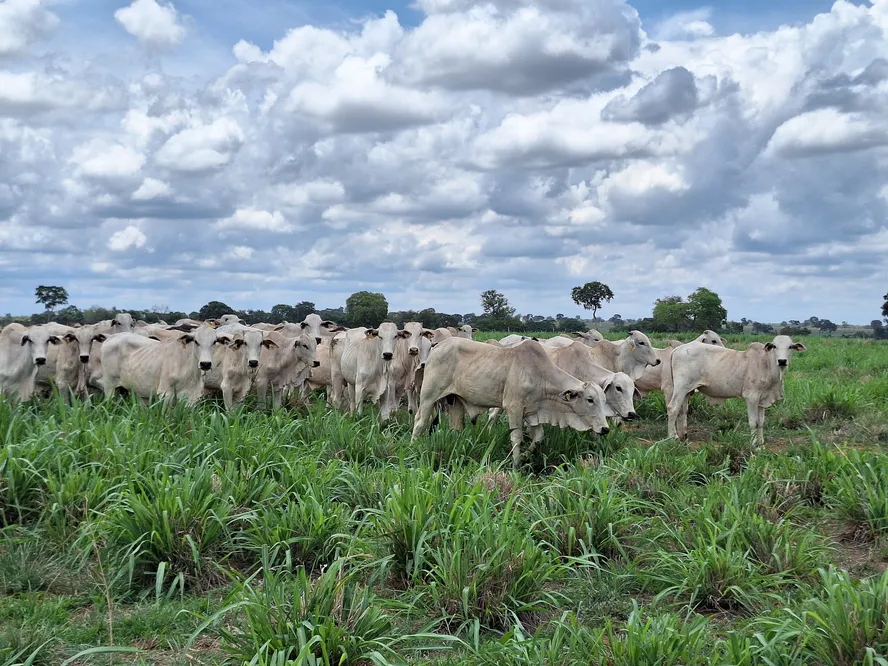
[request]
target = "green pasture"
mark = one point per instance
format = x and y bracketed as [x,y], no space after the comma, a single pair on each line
[134,535]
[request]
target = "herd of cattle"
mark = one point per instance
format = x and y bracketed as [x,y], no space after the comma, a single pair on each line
[568,382]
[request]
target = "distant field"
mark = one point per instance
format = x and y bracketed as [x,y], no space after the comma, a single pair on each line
[196,536]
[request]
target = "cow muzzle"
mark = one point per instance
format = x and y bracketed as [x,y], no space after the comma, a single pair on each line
[253,363]
[84,358]
[604,430]
[386,356]
[41,360]
[782,362]
[318,339]
[658,362]
[206,365]
[631,415]
[316,364]
[413,351]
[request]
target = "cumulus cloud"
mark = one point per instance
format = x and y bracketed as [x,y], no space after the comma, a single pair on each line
[126,238]
[23,22]
[156,26]
[524,145]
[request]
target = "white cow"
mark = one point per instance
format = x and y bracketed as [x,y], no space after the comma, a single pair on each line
[465,331]
[338,343]
[22,351]
[652,379]
[619,389]
[173,370]
[756,375]
[521,380]
[76,363]
[368,368]
[236,362]
[513,339]
[319,328]
[631,355]
[286,367]
[441,334]
[419,344]
[122,323]
[231,319]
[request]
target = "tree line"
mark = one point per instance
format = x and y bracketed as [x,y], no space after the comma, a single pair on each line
[702,309]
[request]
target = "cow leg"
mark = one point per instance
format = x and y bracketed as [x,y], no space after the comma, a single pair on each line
[493,415]
[761,426]
[261,391]
[277,394]
[456,413]
[227,394]
[677,419]
[516,434]
[536,436]
[423,416]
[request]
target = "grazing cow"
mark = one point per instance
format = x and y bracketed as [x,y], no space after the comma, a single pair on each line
[631,355]
[22,352]
[619,389]
[419,344]
[652,379]
[521,380]
[368,368]
[285,367]
[756,375]
[236,363]
[173,369]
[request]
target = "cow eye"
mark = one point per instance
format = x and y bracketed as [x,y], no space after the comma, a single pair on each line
[592,400]
[641,343]
[619,389]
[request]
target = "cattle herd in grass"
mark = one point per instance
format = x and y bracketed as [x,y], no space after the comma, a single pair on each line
[567,382]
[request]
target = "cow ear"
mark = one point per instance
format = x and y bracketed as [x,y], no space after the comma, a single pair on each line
[185,339]
[25,340]
[403,334]
[223,340]
[769,346]
[576,334]
[798,346]
[69,338]
[328,324]
[99,337]
[607,383]
[114,323]
[154,337]
[426,333]
[569,395]
[339,329]
[535,339]
[303,325]
[475,330]
[269,344]
[241,322]
[278,328]
[636,395]
[54,339]
[371,333]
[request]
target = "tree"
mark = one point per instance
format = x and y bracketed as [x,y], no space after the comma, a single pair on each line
[364,308]
[876,324]
[51,297]
[214,310]
[591,295]
[570,324]
[706,310]
[281,313]
[670,315]
[827,326]
[496,305]
[758,327]
[302,309]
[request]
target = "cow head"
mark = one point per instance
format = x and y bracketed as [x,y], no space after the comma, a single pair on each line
[619,391]
[782,348]
[388,335]
[250,343]
[36,338]
[419,342]
[466,331]
[84,337]
[122,322]
[587,402]
[710,338]
[589,338]
[306,348]
[202,339]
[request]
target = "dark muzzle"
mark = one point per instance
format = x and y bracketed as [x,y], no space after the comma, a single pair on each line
[84,358]
[206,365]
[413,351]
[782,362]
[631,415]
[316,364]
[253,363]
[318,339]
[40,361]
[658,362]
[604,430]
[386,356]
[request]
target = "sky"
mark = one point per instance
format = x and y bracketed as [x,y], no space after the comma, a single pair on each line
[168,154]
